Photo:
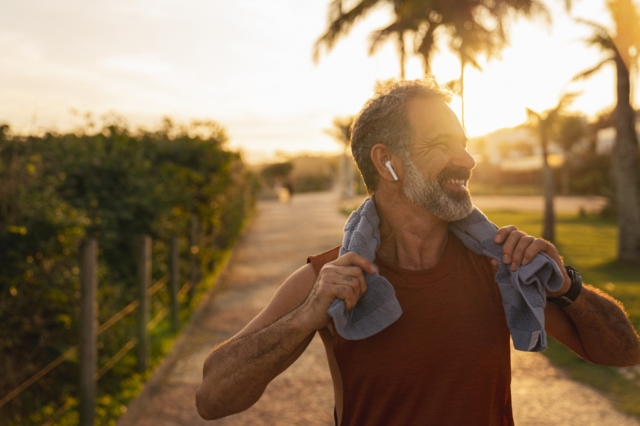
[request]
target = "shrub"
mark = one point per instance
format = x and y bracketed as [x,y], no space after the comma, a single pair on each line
[111,185]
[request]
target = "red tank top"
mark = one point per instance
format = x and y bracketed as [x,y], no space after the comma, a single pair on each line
[445,361]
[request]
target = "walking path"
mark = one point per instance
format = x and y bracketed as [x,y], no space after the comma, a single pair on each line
[277,242]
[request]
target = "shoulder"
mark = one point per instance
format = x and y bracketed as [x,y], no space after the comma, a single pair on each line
[297,287]
[291,294]
[317,261]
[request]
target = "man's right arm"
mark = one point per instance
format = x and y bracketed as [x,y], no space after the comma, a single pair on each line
[237,372]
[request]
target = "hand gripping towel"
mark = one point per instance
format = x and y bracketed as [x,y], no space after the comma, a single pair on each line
[378,307]
[523,291]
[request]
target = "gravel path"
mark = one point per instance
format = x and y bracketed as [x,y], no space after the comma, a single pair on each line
[277,243]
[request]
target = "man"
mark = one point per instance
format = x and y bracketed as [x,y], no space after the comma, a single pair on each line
[445,361]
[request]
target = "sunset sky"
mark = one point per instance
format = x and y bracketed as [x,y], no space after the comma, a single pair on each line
[248,65]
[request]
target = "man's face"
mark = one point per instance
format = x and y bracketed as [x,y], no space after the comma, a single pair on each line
[438,167]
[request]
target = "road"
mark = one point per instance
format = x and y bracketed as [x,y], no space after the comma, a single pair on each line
[277,242]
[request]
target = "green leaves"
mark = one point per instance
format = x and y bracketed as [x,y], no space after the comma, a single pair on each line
[112,183]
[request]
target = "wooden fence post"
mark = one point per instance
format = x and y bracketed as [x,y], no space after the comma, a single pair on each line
[88,325]
[194,275]
[143,259]
[213,247]
[174,285]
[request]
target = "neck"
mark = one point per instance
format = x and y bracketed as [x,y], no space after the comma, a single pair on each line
[411,237]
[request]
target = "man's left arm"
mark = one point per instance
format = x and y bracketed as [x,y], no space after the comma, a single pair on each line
[595,325]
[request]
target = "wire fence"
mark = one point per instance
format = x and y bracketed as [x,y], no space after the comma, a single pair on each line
[88,356]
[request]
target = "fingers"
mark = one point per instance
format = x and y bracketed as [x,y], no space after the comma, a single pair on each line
[347,294]
[510,244]
[335,286]
[519,248]
[351,275]
[352,264]
[353,259]
[552,252]
[518,253]
[503,233]
[495,266]
[538,246]
[344,278]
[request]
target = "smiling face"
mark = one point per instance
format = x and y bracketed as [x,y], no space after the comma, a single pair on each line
[438,166]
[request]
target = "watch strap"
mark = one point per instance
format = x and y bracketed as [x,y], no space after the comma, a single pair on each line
[574,290]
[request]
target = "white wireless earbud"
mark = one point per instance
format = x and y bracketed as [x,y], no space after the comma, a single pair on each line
[390,167]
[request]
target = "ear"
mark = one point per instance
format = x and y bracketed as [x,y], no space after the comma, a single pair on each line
[380,154]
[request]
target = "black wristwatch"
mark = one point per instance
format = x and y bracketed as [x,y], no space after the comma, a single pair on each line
[574,291]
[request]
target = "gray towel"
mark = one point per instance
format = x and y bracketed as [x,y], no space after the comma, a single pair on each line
[378,307]
[523,291]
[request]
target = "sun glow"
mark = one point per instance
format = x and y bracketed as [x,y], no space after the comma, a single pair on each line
[248,66]
[532,72]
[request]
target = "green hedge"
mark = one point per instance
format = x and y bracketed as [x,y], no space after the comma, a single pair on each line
[111,184]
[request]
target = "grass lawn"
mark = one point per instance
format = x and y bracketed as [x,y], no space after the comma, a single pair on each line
[589,245]
[483,189]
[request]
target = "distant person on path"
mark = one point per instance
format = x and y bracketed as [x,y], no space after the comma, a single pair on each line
[446,359]
[289,185]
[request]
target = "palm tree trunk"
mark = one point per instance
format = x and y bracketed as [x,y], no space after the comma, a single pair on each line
[626,170]
[402,54]
[350,188]
[566,173]
[344,181]
[462,65]
[548,221]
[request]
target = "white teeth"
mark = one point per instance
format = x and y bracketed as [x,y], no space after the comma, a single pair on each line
[456,181]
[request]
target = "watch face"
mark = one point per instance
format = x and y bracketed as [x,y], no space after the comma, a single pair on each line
[573,274]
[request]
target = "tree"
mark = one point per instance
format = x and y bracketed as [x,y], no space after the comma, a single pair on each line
[340,23]
[341,132]
[603,120]
[473,27]
[571,130]
[277,171]
[622,49]
[402,26]
[111,182]
[478,29]
[469,41]
[545,124]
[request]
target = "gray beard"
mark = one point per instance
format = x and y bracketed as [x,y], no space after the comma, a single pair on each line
[431,196]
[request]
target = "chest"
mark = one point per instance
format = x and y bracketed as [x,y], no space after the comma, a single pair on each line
[451,323]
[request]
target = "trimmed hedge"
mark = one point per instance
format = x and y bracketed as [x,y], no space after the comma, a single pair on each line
[111,184]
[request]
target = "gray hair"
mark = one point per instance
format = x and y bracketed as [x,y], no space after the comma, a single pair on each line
[384,120]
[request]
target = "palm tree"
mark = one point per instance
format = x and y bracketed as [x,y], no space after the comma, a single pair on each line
[341,22]
[571,130]
[403,25]
[480,31]
[473,27]
[622,49]
[341,132]
[545,125]
[469,40]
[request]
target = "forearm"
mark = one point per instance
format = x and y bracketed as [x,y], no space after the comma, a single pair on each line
[237,372]
[605,333]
